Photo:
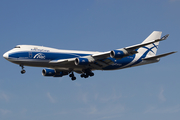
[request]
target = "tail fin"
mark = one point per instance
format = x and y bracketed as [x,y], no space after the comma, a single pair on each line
[150,50]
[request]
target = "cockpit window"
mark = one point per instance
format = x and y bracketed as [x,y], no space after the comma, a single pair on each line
[17,47]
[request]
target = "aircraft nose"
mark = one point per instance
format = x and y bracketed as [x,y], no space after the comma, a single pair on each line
[6,55]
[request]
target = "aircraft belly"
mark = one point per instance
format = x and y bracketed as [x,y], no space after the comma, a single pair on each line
[45,63]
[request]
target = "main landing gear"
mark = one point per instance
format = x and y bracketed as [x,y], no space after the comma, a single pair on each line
[72,76]
[87,73]
[22,71]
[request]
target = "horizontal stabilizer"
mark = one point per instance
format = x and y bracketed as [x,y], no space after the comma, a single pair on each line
[158,56]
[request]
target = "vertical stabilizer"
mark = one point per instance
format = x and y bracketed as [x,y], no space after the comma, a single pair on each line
[150,50]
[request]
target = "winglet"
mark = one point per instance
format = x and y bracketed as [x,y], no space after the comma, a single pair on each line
[165,37]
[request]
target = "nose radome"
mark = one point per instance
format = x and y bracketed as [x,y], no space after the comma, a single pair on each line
[6,55]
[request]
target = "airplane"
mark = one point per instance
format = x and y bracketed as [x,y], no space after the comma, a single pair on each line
[59,62]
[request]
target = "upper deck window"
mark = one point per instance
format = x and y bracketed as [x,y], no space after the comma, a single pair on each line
[17,47]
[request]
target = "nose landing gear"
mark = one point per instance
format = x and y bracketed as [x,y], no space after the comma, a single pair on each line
[22,71]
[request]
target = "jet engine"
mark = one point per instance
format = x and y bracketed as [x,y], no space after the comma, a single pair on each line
[54,73]
[118,53]
[81,61]
[48,72]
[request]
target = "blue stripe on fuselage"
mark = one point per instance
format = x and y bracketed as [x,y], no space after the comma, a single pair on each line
[45,55]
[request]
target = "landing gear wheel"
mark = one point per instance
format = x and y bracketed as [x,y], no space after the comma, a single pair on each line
[86,76]
[87,73]
[91,74]
[71,75]
[23,71]
[82,75]
[73,78]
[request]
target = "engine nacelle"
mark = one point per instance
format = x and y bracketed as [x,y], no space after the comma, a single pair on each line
[54,73]
[118,53]
[60,74]
[48,72]
[81,61]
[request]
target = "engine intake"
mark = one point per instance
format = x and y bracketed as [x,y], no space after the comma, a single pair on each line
[54,73]
[118,53]
[48,72]
[81,61]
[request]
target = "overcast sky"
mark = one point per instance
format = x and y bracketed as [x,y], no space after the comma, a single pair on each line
[150,92]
